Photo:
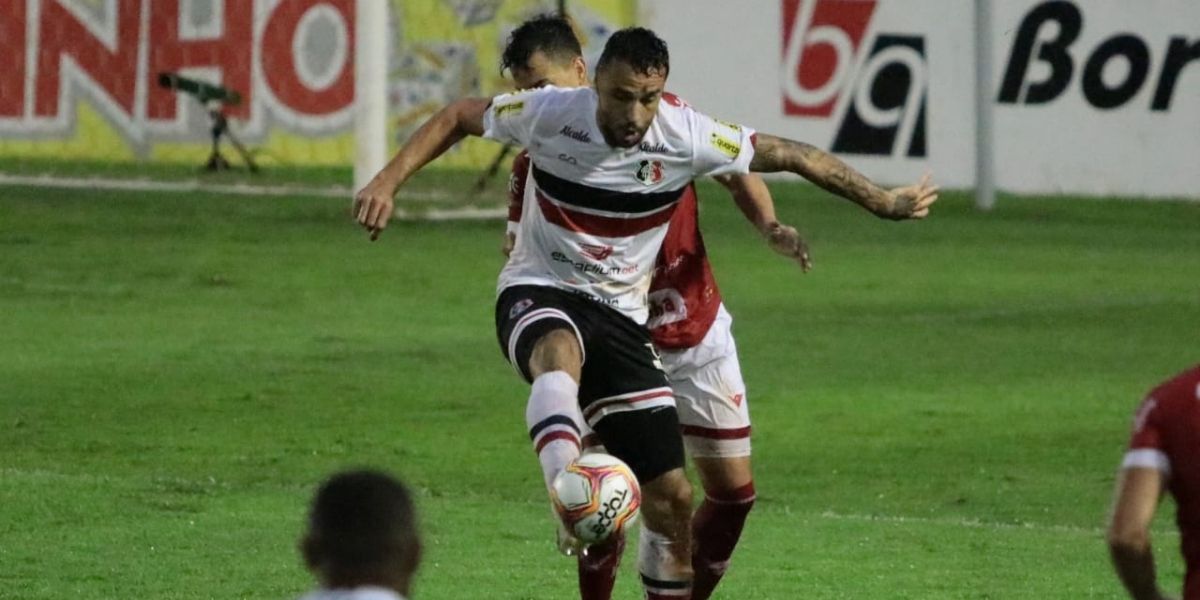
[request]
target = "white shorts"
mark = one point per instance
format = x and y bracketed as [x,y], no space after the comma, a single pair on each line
[710,395]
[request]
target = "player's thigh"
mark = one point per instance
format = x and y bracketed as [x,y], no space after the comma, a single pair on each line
[626,399]
[533,321]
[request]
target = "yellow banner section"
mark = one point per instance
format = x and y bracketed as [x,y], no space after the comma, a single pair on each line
[93,87]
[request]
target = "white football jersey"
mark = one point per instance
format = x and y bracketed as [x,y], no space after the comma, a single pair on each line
[595,216]
[360,593]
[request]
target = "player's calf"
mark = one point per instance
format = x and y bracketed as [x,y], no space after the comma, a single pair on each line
[719,520]
[664,548]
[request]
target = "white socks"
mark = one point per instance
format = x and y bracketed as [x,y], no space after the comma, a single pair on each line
[554,421]
[664,573]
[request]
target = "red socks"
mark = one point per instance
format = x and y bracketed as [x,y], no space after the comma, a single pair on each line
[716,528]
[598,569]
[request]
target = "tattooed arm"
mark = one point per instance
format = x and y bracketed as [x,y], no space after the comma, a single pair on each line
[830,173]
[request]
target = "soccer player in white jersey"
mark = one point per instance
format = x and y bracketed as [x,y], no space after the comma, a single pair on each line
[688,324]
[362,541]
[609,166]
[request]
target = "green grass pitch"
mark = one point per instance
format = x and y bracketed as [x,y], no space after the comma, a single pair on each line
[938,408]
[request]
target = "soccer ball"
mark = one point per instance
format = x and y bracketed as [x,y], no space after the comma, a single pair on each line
[596,496]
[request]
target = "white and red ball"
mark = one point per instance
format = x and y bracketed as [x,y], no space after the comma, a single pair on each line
[596,496]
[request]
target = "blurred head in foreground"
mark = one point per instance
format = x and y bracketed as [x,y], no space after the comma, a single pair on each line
[362,533]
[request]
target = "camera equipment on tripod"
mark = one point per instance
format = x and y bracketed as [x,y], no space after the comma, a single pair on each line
[213,98]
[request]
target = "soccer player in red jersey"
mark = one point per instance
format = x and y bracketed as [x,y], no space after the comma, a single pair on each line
[1163,453]
[688,323]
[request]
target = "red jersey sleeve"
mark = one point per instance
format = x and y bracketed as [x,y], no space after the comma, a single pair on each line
[1147,446]
[516,186]
[1146,433]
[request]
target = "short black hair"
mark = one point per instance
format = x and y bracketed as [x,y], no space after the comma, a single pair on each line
[550,34]
[361,528]
[639,48]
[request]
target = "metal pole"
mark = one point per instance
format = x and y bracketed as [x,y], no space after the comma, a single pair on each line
[985,172]
[562,8]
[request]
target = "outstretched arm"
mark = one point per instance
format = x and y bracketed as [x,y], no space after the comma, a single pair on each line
[752,197]
[1137,495]
[772,154]
[373,204]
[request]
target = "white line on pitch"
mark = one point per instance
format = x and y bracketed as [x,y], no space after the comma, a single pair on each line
[974,523]
[243,189]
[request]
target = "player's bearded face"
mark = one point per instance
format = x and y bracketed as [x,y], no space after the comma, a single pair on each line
[541,70]
[628,101]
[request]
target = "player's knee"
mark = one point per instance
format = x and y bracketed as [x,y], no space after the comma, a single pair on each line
[724,476]
[558,350]
[667,498]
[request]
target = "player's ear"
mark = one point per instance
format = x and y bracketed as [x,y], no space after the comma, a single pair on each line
[580,69]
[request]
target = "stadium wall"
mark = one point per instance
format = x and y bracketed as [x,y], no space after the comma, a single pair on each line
[1097,97]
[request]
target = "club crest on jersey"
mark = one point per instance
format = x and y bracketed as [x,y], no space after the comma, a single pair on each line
[650,172]
[597,252]
[520,307]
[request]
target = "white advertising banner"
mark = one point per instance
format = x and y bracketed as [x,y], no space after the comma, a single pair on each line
[1090,96]
[1098,97]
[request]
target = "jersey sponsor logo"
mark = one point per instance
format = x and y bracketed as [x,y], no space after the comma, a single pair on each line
[589,268]
[649,172]
[596,251]
[659,148]
[666,306]
[510,110]
[605,301]
[729,147]
[878,100]
[1046,35]
[661,270]
[576,134]
[521,306]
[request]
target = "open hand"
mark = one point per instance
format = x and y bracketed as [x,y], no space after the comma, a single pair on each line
[912,202]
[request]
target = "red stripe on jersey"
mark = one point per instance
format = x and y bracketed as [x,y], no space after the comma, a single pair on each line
[716,434]
[556,435]
[598,225]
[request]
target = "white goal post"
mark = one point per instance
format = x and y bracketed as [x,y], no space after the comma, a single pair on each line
[370,89]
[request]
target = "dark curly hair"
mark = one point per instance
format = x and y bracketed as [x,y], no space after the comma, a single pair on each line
[549,33]
[639,48]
